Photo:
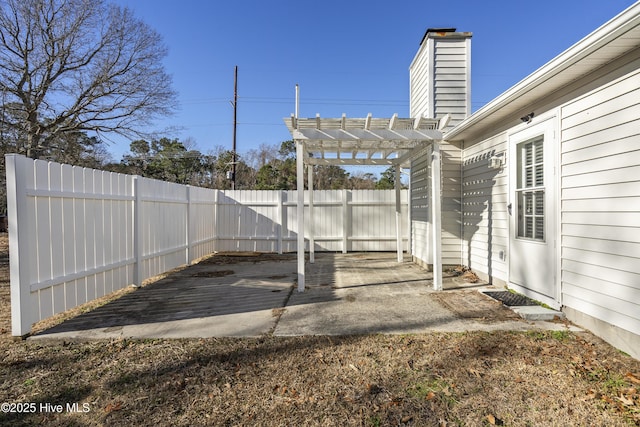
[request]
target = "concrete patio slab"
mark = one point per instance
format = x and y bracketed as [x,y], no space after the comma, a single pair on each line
[358,293]
[230,299]
[365,293]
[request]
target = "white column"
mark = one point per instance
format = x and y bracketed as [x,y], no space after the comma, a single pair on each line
[345,221]
[312,241]
[300,210]
[436,214]
[409,224]
[398,218]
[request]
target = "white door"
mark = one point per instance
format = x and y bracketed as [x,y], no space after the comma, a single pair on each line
[532,212]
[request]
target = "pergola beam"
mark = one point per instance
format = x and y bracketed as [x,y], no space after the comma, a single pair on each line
[393,121]
[349,161]
[367,122]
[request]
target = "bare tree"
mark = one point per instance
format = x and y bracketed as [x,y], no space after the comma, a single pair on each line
[79,65]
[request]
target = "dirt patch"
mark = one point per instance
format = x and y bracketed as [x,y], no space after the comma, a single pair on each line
[464,272]
[442,379]
[219,273]
[5,298]
[225,258]
[474,305]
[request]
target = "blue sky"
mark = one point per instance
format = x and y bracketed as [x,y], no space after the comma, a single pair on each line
[348,56]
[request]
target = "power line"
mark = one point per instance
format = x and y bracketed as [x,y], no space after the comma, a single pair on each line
[277,100]
[193,154]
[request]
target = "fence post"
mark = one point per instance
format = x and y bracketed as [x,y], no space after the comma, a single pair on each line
[214,232]
[189,227]
[345,220]
[281,219]
[19,240]
[137,231]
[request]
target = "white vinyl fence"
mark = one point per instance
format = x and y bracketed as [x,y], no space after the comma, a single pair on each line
[343,220]
[76,234]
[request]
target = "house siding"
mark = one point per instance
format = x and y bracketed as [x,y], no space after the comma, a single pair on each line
[484,205]
[451,80]
[592,92]
[451,204]
[439,78]
[451,208]
[419,83]
[600,203]
[421,208]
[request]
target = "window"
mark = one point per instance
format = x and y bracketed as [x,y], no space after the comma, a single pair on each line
[530,189]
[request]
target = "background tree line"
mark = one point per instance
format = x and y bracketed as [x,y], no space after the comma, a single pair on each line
[268,167]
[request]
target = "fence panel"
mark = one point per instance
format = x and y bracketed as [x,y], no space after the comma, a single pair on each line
[164,212]
[76,234]
[202,220]
[69,230]
[344,220]
[248,220]
[373,214]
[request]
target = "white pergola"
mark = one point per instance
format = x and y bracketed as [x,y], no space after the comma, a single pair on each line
[365,141]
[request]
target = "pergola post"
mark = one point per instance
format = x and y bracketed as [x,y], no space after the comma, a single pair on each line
[409,219]
[312,241]
[300,212]
[398,215]
[436,213]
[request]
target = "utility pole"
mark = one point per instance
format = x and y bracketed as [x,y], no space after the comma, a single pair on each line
[235,124]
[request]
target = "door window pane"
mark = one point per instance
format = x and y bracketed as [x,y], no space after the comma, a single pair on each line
[530,189]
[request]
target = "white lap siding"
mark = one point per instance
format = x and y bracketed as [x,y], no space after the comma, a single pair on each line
[484,203]
[451,207]
[421,214]
[600,196]
[420,208]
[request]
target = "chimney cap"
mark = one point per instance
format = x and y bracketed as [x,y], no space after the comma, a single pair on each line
[443,32]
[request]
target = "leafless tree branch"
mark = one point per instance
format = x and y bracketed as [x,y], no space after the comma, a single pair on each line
[80,65]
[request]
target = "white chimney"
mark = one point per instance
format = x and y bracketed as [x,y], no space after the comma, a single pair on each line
[440,76]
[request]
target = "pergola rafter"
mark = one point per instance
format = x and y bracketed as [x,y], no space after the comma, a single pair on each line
[364,141]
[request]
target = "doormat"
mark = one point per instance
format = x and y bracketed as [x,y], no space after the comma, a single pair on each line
[510,299]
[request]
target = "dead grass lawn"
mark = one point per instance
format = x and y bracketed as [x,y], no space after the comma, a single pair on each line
[474,379]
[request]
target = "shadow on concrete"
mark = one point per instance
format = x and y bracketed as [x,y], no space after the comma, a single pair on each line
[228,286]
[356,293]
[188,295]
